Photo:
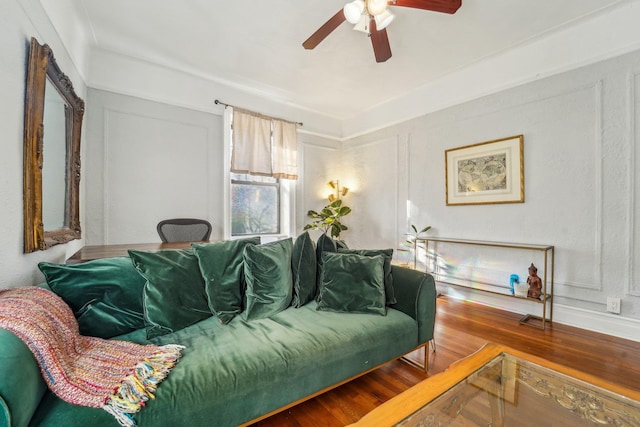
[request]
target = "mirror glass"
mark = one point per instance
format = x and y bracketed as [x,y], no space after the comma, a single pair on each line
[53,121]
[54,184]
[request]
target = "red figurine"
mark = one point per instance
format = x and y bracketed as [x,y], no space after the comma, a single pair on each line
[534,282]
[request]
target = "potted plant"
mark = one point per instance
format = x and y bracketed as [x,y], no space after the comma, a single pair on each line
[329,219]
[412,241]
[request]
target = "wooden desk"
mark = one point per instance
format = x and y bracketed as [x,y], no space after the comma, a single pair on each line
[88,253]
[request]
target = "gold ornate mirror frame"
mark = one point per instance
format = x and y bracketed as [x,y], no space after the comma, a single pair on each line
[42,67]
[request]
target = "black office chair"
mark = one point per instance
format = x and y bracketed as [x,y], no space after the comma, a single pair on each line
[184,230]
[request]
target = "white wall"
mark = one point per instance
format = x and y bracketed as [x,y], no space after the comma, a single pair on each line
[136,77]
[580,129]
[580,136]
[372,172]
[19,21]
[148,161]
[581,42]
[319,162]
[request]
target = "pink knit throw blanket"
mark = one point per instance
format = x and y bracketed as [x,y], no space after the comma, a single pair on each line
[117,376]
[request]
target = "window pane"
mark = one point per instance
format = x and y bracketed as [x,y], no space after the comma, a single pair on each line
[254,208]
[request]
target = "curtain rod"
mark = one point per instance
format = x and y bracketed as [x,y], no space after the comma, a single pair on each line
[218,102]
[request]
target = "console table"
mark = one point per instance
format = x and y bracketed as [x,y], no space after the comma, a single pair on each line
[546,252]
[89,253]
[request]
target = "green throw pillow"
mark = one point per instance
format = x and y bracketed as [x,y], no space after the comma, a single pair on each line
[221,265]
[267,272]
[388,278]
[341,244]
[353,283]
[105,294]
[174,295]
[324,244]
[303,267]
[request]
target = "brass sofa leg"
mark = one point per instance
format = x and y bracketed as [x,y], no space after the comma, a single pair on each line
[424,366]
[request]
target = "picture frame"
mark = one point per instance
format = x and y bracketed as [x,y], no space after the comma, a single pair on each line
[485,173]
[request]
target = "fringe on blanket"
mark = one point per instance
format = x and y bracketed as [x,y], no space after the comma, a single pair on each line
[138,387]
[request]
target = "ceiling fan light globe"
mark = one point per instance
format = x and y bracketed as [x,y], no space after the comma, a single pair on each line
[376,7]
[353,11]
[384,19]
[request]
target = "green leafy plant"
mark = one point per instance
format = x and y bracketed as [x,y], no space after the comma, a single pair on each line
[412,241]
[328,219]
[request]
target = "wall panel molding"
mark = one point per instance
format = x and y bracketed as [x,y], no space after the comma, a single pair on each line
[111,115]
[373,174]
[106,114]
[632,287]
[597,285]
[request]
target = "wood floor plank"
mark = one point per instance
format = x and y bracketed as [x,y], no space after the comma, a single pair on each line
[461,329]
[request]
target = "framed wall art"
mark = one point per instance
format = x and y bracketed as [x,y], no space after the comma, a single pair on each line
[485,173]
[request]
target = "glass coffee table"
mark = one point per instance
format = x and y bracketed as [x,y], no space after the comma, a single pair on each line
[501,387]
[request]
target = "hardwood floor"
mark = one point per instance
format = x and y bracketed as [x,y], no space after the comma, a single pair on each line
[461,329]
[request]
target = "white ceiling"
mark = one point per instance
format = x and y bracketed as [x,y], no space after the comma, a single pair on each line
[256,44]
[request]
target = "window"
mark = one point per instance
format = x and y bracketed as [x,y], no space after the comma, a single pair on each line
[255,205]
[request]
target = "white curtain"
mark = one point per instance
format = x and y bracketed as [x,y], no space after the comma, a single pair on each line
[285,146]
[251,151]
[263,146]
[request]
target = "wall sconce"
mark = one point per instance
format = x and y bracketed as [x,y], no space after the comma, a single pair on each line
[339,191]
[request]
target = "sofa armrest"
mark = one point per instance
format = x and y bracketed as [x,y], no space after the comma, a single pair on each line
[21,383]
[5,415]
[416,296]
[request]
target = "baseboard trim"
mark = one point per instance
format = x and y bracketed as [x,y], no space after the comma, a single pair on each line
[604,323]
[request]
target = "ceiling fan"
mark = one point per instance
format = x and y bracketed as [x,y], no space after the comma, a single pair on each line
[373,17]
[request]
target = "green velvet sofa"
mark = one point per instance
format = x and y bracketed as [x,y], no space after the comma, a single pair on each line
[239,372]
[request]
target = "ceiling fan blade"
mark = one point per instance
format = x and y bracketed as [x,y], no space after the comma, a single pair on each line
[444,6]
[326,29]
[380,42]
